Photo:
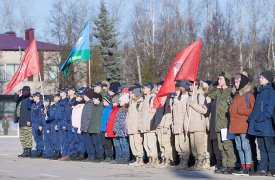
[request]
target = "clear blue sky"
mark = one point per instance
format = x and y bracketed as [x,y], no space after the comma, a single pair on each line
[40,12]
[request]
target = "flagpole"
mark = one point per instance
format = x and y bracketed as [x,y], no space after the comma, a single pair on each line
[90,77]
[42,90]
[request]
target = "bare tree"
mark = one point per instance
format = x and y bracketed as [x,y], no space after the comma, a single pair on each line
[25,17]
[65,26]
[8,18]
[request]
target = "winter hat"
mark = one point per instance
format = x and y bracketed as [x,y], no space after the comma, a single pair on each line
[124,98]
[56,95]
[114,89]
[37,94]
[26,88]
[71,88]
[137,92]
[81,91]
[89,93]
[115,84]
[26,91]
[268,75]
[160,83]
[250,73]
[97,96]
[206,83]
[98,84]
[134,86]
[184,84]
[243,82]
[63,90]
[149,85]
[226,77]
[125,90]
[107,99]
[47,98]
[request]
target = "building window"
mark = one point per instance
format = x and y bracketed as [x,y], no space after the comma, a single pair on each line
[51,72]
[2,72]
[7,71]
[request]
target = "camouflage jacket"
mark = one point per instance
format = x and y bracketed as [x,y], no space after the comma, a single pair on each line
[223,100]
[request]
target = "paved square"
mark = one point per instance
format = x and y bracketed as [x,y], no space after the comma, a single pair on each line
[12,167]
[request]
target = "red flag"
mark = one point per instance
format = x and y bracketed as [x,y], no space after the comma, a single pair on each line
[190,66]
[186,57]
[29,65]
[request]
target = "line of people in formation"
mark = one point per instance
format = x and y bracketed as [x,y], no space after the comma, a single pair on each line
[228,123]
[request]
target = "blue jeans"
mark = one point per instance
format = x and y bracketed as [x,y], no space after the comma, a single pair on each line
[98,145]
[122,148]
[243,147]
[88,144]
[266,146]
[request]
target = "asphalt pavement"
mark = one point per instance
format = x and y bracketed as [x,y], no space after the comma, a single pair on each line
[12,167]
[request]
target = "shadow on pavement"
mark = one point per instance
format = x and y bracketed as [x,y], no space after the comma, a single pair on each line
[191,174]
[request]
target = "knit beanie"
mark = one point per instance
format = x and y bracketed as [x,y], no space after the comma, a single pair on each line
[226,77]
[268,75]
[243,82]
[97,96]
[89,93]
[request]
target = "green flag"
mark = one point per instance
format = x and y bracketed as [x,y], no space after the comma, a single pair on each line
[80,51]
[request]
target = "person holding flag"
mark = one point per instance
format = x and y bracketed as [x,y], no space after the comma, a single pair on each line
[28,66]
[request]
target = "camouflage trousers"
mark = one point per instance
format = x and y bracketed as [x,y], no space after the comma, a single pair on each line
[25,136]
[227,152]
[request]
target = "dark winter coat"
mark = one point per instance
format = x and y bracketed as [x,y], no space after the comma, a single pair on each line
[95,121]
[261,123]
[25,109]
[86,116]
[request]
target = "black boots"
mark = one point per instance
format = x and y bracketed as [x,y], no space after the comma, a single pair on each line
[23,154]
[38,154]
[26,153]
[56,155]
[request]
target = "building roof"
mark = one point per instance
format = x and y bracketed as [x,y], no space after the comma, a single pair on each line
[9,42]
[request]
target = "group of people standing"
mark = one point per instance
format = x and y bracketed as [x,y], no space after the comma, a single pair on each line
[228,123]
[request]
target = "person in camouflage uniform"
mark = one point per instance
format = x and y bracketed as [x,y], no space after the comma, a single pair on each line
[5,126]
[23,113]
[223,96]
